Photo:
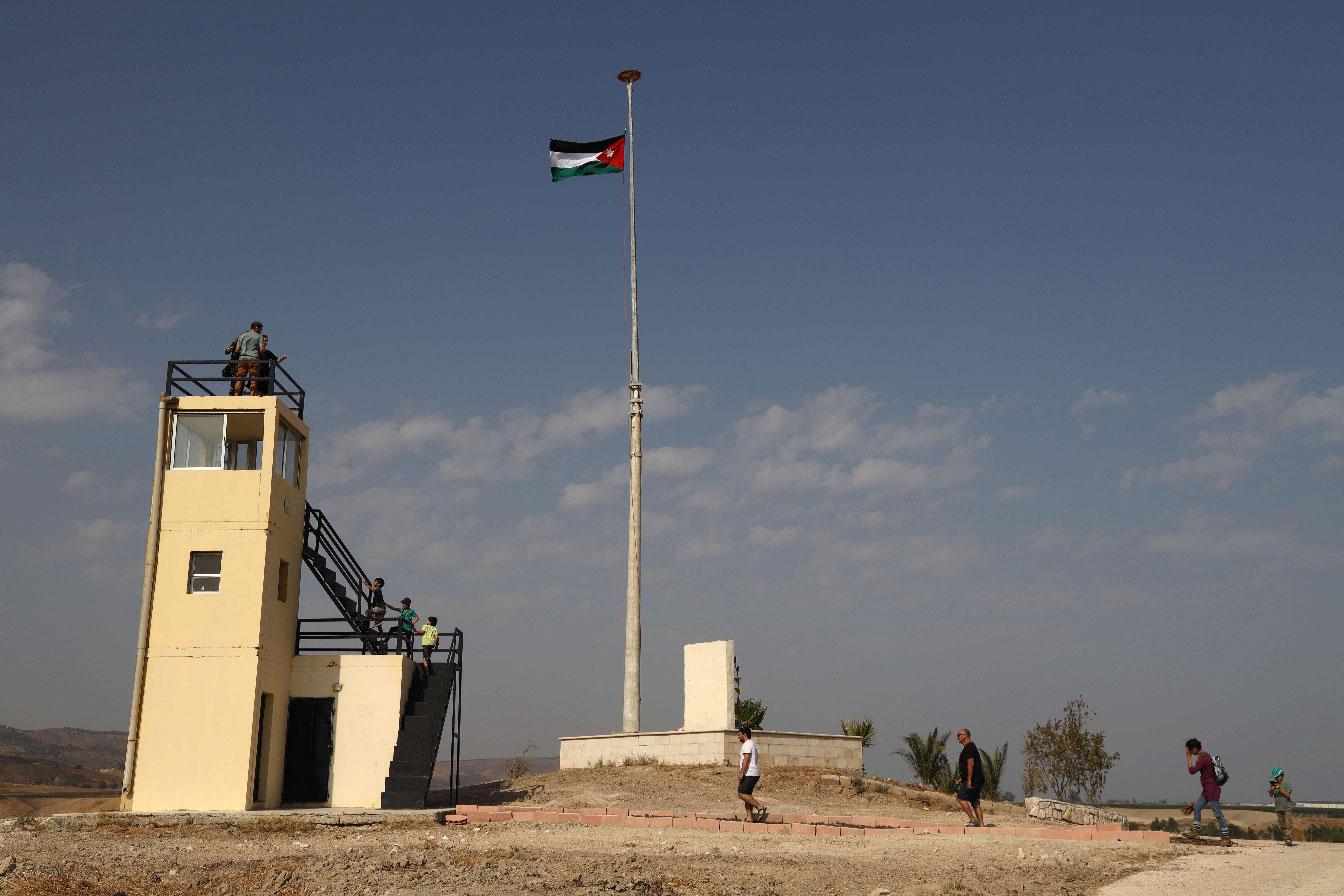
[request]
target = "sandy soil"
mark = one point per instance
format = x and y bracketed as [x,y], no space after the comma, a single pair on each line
[531,858]
[1247,869]
[712,789]
[18,800]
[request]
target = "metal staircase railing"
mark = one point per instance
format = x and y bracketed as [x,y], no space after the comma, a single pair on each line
[340,575]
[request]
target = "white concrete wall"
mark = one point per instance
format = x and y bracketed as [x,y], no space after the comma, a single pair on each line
[368,716]
[708,686]
[713,747]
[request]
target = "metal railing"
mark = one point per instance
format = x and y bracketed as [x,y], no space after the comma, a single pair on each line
[193,377]
[321,538]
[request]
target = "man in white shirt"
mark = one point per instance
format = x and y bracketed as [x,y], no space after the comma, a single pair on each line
[749,775]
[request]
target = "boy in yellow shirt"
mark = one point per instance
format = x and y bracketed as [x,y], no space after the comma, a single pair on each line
[429,639]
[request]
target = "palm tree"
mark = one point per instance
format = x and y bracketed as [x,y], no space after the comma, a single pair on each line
[993,766]
[927,756]
[863,728]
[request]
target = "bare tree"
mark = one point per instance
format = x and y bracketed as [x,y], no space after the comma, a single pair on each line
[1062,757]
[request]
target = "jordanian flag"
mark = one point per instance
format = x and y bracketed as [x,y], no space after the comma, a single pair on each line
[599,157]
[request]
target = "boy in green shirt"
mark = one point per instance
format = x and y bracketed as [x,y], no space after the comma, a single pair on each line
[405,626]
[1282,792]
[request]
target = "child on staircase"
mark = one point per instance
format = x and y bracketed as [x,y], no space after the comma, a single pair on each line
[429,639]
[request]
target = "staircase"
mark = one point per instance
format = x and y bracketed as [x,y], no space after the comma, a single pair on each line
[340,575]
[431,700]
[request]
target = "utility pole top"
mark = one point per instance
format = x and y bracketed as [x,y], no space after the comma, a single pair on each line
[629,76]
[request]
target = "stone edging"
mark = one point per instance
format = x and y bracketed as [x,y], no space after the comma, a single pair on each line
[805,825]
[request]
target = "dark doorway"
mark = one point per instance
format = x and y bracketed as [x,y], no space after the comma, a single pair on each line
[308,750]
[263,749]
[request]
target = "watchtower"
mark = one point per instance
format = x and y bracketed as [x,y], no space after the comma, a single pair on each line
[239,703]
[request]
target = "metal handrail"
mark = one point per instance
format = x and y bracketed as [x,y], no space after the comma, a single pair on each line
[325,540]
[180,381]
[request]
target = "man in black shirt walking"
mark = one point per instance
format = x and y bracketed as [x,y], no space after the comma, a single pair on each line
[970,778]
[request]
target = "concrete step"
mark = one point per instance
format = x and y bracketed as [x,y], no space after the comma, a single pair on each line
[403,800]
[406,784]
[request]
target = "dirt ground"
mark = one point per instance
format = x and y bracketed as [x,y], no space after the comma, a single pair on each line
[552,859]
[713,788]
[291,857]
[18,800]
[1244,817]
[1248,869]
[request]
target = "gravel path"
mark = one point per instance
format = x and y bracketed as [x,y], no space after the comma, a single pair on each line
[1247,869]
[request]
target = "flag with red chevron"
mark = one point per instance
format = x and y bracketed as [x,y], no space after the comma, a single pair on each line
[570,159]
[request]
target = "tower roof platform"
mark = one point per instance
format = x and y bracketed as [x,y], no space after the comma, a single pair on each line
[202,378]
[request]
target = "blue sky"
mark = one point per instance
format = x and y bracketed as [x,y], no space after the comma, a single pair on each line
[993,352]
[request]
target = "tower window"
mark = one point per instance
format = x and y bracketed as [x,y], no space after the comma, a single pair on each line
[203,572]
[217,441]
[288,454]
[282,589]
[198,442]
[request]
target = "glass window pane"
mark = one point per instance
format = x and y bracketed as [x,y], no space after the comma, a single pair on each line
[206,562]
[287,448]
[209,584]
[198,442]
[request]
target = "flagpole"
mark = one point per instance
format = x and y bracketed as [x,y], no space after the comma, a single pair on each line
[630,720]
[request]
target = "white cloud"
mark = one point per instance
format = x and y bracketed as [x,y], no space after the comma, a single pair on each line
[1204,536]
[937,555]
[1324,411]
[1265,396]
[831,443]
[78,481]
[1245,421]
[1016,492]
[1219,468]
[764,537]
[608,489]
[162,320]
[671,460]
[1094,399]
[40,385]
[507,447]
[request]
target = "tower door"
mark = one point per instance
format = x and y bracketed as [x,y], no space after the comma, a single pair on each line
[308,750]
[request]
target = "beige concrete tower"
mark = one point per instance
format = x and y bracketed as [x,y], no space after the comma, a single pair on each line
[221,606]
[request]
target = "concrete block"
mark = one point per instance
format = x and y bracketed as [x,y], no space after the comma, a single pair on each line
[1153,836]
[805,830]
[569,818]
[1110,826]
[828,830]
[546,817]
[524,816]
[735,827]
[661,821]
[853,832]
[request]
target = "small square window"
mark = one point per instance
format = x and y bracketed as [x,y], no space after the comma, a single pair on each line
[204,571]
[282,589]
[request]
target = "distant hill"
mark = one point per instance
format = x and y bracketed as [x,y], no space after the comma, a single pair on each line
[20,770]
[68,746]
[478,771]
